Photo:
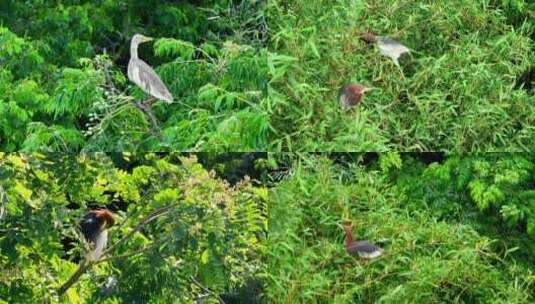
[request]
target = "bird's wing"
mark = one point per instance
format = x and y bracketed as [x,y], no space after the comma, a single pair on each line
[391,48]
[89,227]
[150,82]
[99,246]
[344,103]
[365,246]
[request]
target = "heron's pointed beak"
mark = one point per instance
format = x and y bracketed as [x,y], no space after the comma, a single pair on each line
[147,39]
[367,89]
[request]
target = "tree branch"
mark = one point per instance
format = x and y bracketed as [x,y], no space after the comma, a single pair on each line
[108,79]
[205,289]
[126,255]
[149,218]
[142,105]
[3,201]
[147,109]
[84,266]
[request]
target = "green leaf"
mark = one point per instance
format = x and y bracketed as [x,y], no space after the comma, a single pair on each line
[205,256]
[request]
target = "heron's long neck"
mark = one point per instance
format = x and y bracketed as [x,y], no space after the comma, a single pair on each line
[349,235]
[133,49]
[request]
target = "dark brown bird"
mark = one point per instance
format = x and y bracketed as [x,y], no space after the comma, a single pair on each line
[364,249]
[94,228]
[351,94]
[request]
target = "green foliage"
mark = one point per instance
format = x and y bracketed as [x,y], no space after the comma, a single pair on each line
[54,138]
[498,185]
[13,119]
[460,91]
[223,98]
[388,161]
[76,91]
[169,47]
[64,73]
[207,230]
[18,55]
[427,259]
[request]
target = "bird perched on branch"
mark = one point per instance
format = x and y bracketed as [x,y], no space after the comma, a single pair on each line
[351,94]
[140,73]
[94,228]
[364,249]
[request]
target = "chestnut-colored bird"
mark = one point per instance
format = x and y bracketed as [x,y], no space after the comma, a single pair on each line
[364,249]
[94,228]
[351,94]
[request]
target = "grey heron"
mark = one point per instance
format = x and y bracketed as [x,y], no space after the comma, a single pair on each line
[140,73]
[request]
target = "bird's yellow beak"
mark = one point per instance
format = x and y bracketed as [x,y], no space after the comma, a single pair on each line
[146,39]
[366,89]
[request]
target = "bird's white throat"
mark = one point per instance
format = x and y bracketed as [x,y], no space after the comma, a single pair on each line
[98,247]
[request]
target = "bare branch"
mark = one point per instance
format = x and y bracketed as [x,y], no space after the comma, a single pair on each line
[84,266]
[3,201]
[149,218]
[205,289]
[109,81]
[126,255]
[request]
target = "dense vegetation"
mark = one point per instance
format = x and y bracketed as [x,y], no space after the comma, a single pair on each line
[186,235]
[459,230]
[243,71]
[455,228]
[256,76]
[467,86]
[63,84]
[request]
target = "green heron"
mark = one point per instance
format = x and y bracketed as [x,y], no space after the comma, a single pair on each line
[351,94]
[364,249]
[143,75]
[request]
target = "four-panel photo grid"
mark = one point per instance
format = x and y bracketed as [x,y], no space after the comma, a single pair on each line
[267,151]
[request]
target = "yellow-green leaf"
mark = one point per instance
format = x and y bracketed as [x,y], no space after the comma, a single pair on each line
[21,190]
[204,257]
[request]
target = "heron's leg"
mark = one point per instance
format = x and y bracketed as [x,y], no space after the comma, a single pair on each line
[149,101]
[147,109]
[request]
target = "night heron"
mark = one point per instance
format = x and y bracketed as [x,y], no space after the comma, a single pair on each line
[364,249]
[140,73]
[351,94]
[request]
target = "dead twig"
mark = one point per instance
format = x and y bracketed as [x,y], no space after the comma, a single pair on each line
[205,289]
[149,218]
[3,202]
